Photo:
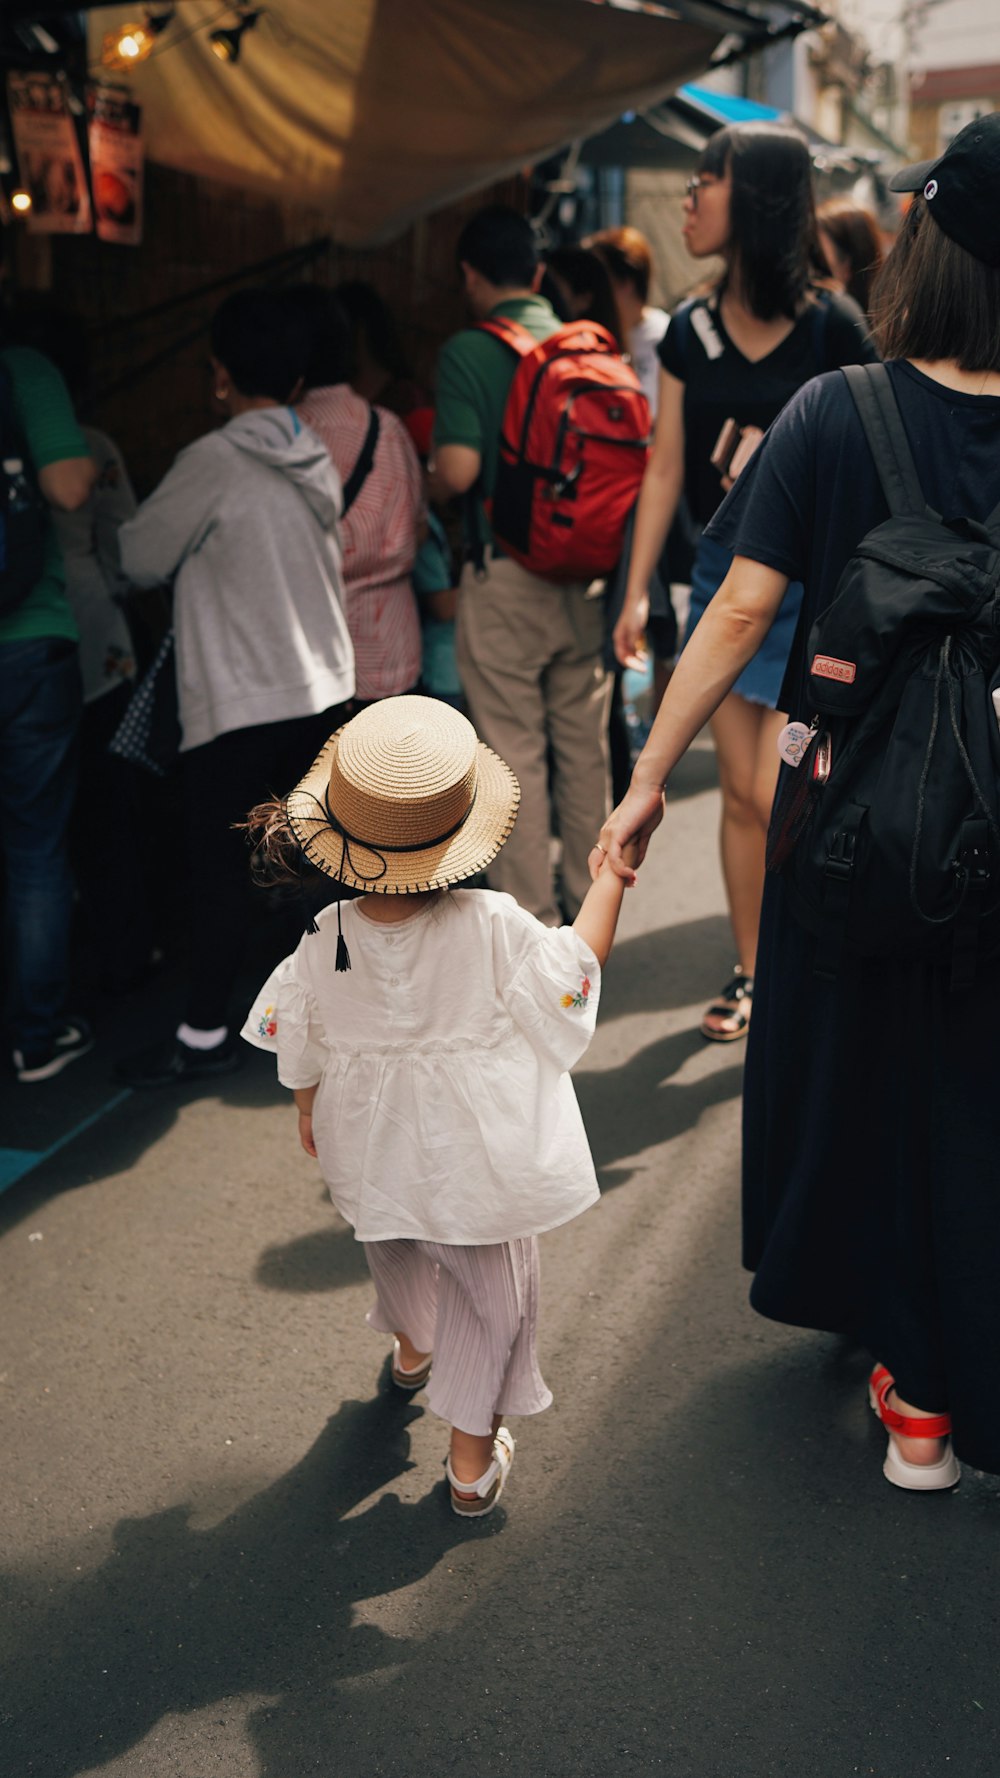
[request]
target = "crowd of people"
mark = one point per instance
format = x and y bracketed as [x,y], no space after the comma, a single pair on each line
[357,579]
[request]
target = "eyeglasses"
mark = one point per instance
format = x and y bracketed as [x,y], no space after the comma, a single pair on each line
[691,189]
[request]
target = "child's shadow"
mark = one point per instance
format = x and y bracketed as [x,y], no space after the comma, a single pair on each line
[176,1619]
[658,1107]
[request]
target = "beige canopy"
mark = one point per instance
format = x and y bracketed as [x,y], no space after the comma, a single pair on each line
[381,110]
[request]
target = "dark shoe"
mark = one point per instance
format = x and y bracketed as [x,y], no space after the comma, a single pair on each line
[74,1039]
[172,1063]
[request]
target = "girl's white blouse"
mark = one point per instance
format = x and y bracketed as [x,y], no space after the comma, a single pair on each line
[445,1111]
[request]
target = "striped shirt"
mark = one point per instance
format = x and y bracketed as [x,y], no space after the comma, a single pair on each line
[379,539]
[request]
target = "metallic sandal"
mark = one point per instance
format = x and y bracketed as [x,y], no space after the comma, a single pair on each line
[490,1485]
[734,1004]
[918,1476]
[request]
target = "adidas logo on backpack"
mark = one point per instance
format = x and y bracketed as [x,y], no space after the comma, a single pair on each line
[888,833]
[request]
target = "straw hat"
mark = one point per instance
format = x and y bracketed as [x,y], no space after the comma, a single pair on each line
[404,798]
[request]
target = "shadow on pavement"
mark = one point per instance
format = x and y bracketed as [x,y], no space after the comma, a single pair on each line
[734,1592]
[114,1144]
[638,1106]
[176,1619]
[673,966]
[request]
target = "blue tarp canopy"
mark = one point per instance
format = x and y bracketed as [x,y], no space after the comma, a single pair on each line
[728,107]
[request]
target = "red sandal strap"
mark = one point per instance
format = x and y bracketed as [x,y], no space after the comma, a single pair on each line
[907,1425]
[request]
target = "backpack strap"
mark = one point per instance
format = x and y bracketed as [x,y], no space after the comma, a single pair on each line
[363,467]
[878,411]
[510,333]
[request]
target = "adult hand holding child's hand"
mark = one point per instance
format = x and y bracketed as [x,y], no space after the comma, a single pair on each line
[626,833]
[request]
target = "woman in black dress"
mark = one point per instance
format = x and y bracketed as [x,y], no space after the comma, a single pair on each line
[871,1205]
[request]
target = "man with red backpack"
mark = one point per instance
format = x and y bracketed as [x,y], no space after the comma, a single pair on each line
[545,447]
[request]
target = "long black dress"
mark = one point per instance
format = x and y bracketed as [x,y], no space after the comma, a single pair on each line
[871,1171]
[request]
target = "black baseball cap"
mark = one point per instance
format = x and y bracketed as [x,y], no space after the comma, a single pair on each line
[962,188]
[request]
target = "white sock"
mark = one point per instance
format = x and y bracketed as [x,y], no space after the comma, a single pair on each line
[202,1040]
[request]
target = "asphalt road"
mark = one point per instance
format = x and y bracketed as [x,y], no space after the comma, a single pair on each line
[227,1549]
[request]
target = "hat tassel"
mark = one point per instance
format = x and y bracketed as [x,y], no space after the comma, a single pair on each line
[343,954]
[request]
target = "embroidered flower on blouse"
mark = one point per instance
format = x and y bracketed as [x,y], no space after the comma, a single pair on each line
[268,1023]
[580,999]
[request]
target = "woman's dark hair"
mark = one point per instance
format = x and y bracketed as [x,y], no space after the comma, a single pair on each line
[625,252]
[500,245]
[933,300]
[772,213]
[587,276]
[371,319]
[263,342]
[854,232]
[330,357]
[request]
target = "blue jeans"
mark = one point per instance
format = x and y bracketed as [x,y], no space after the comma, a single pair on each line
[40,704]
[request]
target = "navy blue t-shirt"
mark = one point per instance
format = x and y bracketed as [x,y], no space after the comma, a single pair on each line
[811,491]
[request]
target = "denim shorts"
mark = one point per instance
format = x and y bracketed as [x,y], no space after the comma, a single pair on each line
[760,682]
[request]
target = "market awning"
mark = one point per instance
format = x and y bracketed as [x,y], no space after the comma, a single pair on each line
[377,111]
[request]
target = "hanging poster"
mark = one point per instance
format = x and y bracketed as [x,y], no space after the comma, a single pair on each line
[116,164]
[49,160]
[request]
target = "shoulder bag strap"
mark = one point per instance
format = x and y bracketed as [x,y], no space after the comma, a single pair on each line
[362,468]
[878,411]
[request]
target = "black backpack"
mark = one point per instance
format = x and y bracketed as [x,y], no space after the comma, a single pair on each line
[22,509]
[888,832]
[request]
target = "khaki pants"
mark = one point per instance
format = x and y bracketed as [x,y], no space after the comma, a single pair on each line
[530,660]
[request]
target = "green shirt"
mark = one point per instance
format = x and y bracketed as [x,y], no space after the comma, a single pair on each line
[45,415]
[475,372]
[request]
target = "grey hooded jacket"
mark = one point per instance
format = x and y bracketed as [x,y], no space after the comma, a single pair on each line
[245,525]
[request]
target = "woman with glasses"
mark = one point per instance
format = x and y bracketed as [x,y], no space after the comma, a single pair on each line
[729,362]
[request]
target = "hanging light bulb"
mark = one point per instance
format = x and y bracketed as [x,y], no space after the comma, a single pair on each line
[227,43]
[132,43]
[20,201]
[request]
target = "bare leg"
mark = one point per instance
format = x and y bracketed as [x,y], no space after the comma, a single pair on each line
[471,1454]
[409,1357]
[736,728]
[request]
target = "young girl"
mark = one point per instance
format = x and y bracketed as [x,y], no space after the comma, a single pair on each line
[426,1036]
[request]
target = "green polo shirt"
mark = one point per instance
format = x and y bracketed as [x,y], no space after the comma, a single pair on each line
[475,372]
[45,415]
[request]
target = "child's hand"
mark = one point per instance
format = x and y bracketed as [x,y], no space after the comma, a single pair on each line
[306,1133]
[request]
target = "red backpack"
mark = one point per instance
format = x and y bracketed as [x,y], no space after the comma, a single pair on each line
[572,451]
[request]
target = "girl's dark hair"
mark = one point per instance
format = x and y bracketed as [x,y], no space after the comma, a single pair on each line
[933,300]
[854,232]
[277,860]
[587,276]
[330,357]
[772,213]
[263,342]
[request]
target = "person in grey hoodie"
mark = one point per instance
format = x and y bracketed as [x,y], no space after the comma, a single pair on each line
[245,526]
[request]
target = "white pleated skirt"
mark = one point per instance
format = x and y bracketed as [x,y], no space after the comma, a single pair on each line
[476,1309]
